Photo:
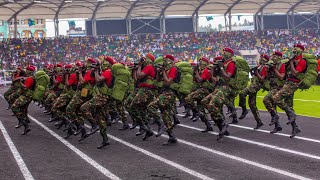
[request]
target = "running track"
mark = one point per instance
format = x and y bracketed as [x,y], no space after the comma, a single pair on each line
[246,154]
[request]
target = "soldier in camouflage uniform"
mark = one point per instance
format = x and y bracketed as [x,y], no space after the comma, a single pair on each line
[203,78]
[165,101]
[20,106]
[82,95]
[297,66]
[146,76]
[59,106]
[276,77]
[101,102]
[15,89]
[220,95]
[258,76]
[58,87]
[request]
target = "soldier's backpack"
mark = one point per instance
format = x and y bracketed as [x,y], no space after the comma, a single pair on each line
[184,82]
[42,82]
[240,79]
[121,79]
[309,77]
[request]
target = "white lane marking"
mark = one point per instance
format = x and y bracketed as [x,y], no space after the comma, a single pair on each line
[166,161]
[23,167]
[265,131]
[280,134]
[260,144]
[304,100]
[256,164]
[89,160]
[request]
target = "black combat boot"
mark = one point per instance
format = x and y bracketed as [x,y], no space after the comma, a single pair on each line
[20,123]
[244,113]
[274,118]
[9,107]
[277,128]
[188,114]
[84,134]
[291,115]
[295,129]
[53,118]
[79,128]
[105,141]
[134,125]
[142,129]
[172,138]
[195,117]
[208,127]
[194,113]
[124,127]
[94,127]
[26,127]
[222,130]
[71,129]
[259,124]
[175,120]
[234,117]
[148,134]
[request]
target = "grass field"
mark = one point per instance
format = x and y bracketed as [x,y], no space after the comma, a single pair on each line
[305,102]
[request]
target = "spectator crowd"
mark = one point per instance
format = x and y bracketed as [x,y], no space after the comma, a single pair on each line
[184,46]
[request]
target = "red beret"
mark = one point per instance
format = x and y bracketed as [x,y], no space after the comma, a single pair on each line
[91,60]
[229,50]
[109,59]
[205,59]
[218,58]
[168,56]
[277,53]
[150,56]
[59,65]
[79,64]
[265,56]
[68,66]
[193,64]
[31,68]
[299,46]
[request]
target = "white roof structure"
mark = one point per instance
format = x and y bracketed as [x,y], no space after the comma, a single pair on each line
[103,9]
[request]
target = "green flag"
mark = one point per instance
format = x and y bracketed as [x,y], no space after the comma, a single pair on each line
[209,18]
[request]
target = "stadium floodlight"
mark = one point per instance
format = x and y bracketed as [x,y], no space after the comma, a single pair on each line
[101,0]
[68,1]
[37,1]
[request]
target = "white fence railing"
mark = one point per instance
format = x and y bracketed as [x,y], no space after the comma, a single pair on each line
[5,77]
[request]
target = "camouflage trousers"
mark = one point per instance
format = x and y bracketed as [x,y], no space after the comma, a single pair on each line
[73,109]
[166,103]
[284,97]
[139,104]
[60,104]
[10,91]
[118,106]
[128,102]
[198,96]
[250,91]
[95,110]
[20,106]
[14,96]
[215,101]
[48,102]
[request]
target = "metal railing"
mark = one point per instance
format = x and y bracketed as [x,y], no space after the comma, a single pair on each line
[5,77]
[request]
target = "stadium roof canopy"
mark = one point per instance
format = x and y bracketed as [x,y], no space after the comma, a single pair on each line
[50,9]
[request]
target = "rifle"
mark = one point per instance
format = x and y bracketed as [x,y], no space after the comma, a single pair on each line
[253,71]
[216,68]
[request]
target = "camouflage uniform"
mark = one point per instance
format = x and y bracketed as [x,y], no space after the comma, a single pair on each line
[251,90]
[165,102]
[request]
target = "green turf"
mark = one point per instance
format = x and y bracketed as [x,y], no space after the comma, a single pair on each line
[308,108]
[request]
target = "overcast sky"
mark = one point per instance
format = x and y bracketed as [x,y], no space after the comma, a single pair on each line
[63,23]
